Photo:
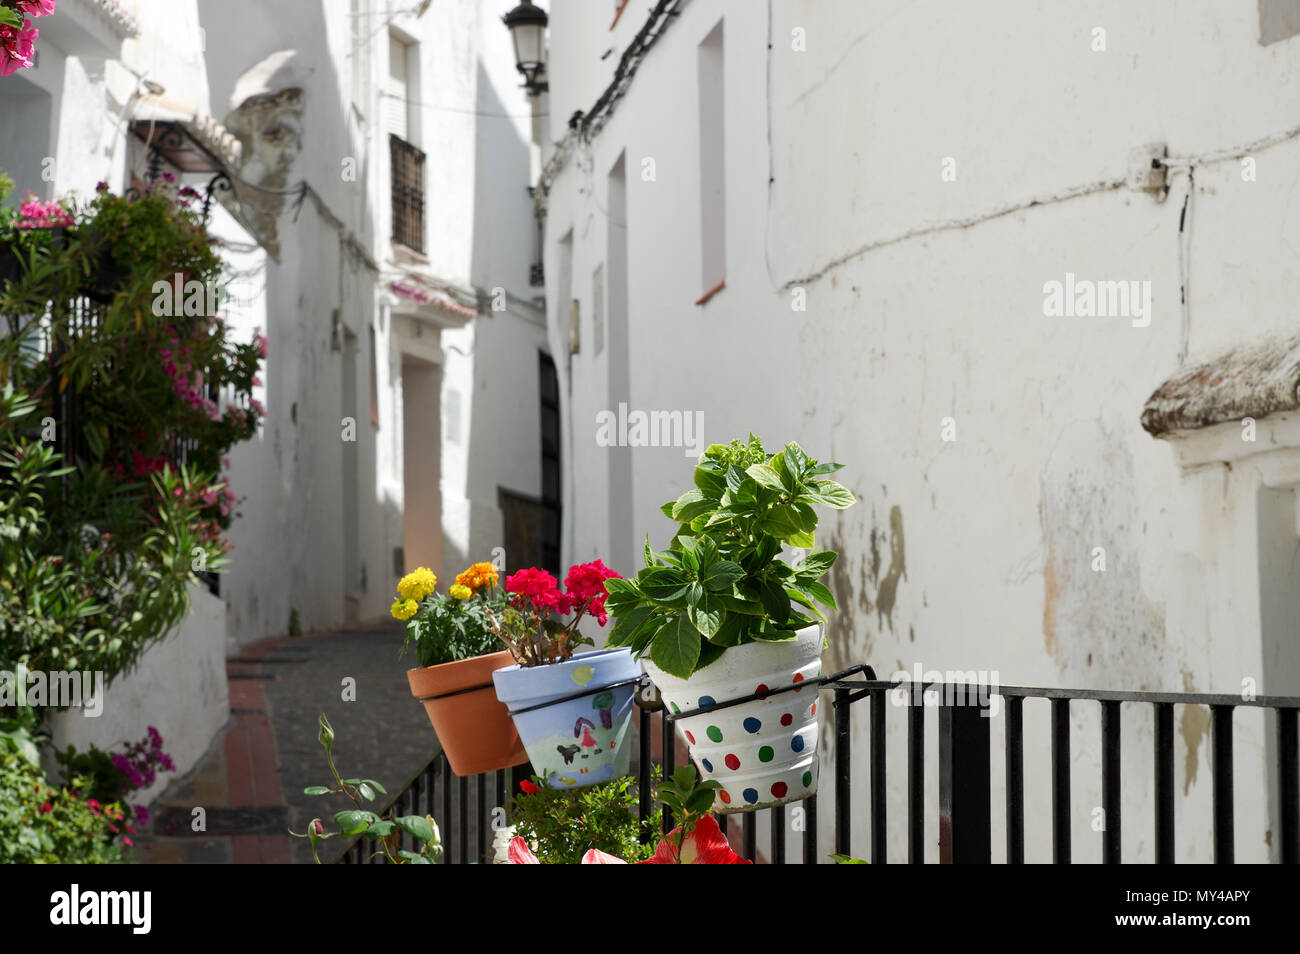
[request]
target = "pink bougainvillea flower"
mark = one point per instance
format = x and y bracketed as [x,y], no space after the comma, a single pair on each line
[595,856]
[36,8]
[17,48]
[520,854]
[706,845]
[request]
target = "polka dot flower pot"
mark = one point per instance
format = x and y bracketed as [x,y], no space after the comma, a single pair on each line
[574,717]
[764,753]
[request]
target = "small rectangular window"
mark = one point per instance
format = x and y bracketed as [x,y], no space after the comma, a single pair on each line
[713,198]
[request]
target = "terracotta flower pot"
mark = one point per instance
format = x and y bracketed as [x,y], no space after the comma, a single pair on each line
[475,730]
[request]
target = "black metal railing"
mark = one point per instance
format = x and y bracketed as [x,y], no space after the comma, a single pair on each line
[965,779]
[408,193]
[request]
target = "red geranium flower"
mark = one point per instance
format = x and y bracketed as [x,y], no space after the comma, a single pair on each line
[528,787]
[586,585]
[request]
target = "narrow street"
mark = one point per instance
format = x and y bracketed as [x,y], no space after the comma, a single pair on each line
[251,781]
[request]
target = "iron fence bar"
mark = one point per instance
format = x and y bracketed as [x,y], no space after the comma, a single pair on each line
[447,840]
[810,830]
[644,768]
[500,799]
[778,835]
[878,796]
[843,780]
[1222,798]
[749,836]
[1288,742]
[1110,783]
[1164,782]
[482,818]
[915,784]
[669,742]
[1015,761]
[965,835]
[462,816]
[1061,781]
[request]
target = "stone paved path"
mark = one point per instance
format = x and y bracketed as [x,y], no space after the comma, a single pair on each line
[250,783]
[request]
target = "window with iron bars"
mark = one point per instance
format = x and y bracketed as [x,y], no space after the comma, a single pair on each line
[408,194]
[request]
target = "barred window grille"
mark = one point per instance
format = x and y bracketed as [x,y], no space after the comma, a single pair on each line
[408,194]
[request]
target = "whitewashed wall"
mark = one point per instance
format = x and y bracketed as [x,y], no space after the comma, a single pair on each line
[974,553]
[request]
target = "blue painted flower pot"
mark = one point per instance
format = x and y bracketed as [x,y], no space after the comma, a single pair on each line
[574,717]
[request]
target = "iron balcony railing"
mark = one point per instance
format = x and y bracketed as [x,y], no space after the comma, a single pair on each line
[964,782]
[408,193]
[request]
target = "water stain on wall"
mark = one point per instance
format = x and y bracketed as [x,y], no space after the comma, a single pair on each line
[854,579]
[1195,724]
[1098,623]
[897,568]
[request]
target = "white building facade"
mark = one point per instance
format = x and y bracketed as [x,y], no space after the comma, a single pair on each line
[858,225]
[369,178]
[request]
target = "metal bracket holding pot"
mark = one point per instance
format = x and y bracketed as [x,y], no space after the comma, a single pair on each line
[586,691]
[458,692]
[819,682]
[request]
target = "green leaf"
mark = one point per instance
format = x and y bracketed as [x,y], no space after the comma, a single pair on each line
[829,494]
[766,476]
[366,792]
[821,593]
[416,825]
[710,482]
[354,822]
[692,504]
[376,786]
[848,860]
[381,829]
[667,508]
[10,18]
[775,636]
[316,790]
[413,858]
[721,576]
[774,598]
[676,648]
[627,624]
[797,462]
[664,585]
[823,468]
[709,653]
[706,613]
[815,565]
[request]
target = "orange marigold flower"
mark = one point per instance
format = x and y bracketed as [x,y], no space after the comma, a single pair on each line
[478,576]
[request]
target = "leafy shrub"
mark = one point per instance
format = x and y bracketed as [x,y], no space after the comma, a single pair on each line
[41,824]
[563,823]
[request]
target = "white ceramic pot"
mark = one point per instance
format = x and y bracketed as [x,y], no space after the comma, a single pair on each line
[764,753]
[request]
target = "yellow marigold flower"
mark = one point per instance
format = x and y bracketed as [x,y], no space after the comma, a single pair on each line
[461,592]
[417,584]
[405,609]
[478,576]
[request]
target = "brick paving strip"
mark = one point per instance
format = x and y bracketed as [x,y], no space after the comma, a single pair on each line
[251,780]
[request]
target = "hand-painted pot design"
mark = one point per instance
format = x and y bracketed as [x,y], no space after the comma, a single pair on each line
[474,728]
[574,717]
[764,753]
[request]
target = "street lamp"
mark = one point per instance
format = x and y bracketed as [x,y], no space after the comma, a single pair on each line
[527,25]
